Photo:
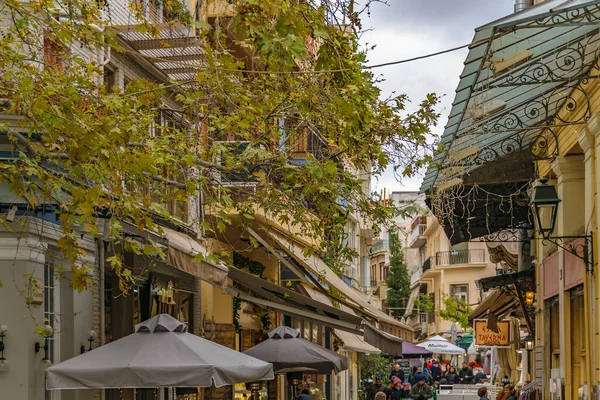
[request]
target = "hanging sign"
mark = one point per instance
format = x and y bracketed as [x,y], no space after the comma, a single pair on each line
[485,337]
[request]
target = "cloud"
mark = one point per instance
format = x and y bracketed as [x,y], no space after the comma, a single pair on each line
[411,28]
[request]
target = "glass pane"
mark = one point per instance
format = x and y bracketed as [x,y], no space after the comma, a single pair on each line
[545,214]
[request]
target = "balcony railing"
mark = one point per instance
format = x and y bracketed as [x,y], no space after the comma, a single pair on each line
[427,264]
[453,257]
[417,231]
[416,275]
[380,246]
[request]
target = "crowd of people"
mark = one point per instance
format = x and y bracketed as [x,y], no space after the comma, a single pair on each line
[424,382]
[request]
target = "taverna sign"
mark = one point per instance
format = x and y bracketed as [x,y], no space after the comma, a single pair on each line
[485,337]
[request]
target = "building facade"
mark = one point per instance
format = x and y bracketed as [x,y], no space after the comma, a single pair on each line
[497,92]
[442,270]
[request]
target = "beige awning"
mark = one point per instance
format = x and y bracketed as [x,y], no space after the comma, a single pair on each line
[315,265]
[279,294]
[497,302]
[411,301]
[388,343]
[355,343]
[182,249]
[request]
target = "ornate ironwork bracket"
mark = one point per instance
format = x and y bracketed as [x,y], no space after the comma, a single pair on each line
[583,251]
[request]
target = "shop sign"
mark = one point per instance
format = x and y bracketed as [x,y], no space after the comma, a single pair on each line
[485,337]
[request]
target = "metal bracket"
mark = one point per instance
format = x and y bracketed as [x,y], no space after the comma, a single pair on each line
[583,251]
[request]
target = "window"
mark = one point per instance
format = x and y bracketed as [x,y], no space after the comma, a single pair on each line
[460,292]
[109,79]
[382,271]
[49,310]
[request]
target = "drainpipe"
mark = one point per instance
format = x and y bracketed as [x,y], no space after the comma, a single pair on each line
[521,5]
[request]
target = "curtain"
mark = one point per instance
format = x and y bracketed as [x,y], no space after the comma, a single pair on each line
[508,358]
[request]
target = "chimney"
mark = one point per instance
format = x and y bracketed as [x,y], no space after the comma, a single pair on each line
[521,5]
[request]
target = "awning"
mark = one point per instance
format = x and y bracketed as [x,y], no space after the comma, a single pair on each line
[293,311]
[525,76]
[352,342]
[411,301]
[465,341]
[498,302]
[315,265]
[182,249]
[389,344]
[382,341]
[279,294]
[515,278]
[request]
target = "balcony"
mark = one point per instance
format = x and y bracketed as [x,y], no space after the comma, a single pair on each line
[382,245]
[456,257]
[427,264]
[415,276]
[417,238]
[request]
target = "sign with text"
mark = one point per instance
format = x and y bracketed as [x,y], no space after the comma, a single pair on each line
[486,337]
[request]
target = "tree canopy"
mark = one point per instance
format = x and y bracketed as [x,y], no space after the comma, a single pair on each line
[276,75]
[398,279]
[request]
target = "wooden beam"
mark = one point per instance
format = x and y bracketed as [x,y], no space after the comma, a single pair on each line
[187,57]
[181,70]
[166,43]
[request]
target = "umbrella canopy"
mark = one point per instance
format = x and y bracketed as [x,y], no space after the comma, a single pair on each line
[288,352]
[439,345]
[159,354]
[410,350]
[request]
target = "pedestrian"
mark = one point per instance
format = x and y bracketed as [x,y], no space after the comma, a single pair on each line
[381,396]
[397,372]
[451,376]
[396,389]
[466,374]
[412,378]
[421,391]
[304,395]
[512,393]
[479,375]
[504,394]
[376,387]
[436,370]
[483,393]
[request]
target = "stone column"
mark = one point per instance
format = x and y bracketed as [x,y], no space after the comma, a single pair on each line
[570,186]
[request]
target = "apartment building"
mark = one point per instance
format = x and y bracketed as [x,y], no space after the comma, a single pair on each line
[440,269]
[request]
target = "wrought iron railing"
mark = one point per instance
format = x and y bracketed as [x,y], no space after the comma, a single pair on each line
[453,257]
[427,264]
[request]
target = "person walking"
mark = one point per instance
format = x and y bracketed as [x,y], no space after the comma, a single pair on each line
[466,374]
[482,392]
[376,387]
[451,376]
[397,389]
[397,372]
[304,395]
[421,391]
[381,396]
[436,370]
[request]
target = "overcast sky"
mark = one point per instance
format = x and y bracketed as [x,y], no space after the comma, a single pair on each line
[410,28]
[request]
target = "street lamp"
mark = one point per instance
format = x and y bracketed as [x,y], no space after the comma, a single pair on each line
[529,343]
[544,208]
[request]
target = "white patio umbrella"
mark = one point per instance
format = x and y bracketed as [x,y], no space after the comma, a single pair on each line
[159,354]
[439,345]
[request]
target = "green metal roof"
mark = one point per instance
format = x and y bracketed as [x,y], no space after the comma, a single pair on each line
[496,114]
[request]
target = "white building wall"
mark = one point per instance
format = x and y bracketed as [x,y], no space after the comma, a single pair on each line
[22,255]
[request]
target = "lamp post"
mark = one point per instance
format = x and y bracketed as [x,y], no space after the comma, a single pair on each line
[544,208]
[529,345]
